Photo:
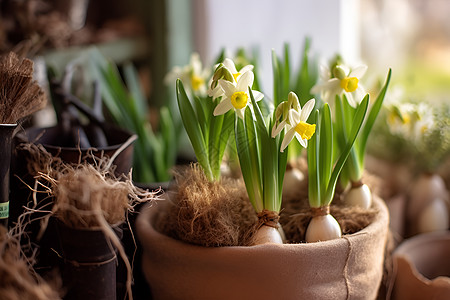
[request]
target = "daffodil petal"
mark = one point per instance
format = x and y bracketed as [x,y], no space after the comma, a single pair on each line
[294,117]
[303,142]
[351,99]
[307,109]
[287,139]
[246,68]
[257,95]
[358,72]
[229,64]
[245,81]
[228,87]
[221,108]
[277,129]
[240,113]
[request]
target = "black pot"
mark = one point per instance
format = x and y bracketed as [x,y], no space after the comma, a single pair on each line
[89,263]
[6,134]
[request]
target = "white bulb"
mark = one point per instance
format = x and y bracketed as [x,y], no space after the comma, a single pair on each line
[267,234]
[323,228]
[359,196]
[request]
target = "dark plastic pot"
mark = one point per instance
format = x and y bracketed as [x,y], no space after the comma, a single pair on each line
[90,263]
[6,134]
[57,145]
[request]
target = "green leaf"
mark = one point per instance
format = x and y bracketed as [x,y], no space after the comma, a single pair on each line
[372,118]
[202,119]
[251,180]
[169,140]
[326,148]
[132,82]
[313,169]
[193,130]
[355,128]
[286,71]
[277,84]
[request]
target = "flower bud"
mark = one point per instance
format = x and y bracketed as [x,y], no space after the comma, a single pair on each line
[339,72]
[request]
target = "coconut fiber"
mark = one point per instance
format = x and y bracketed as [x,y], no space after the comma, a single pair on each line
[204,213]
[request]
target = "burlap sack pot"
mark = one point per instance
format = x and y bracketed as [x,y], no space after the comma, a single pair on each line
[346,268]
[422,267]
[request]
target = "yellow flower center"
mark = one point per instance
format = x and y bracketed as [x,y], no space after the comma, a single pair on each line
[196,82]
[349,84]
[236,75]
[239,99]
[423,129]
[305,130]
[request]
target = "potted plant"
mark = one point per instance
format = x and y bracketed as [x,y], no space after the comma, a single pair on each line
[178,267]
[89,206]
[416,135]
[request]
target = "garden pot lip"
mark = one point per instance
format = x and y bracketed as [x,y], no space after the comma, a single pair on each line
[146,229]
[421,240]
[8,124]
[414,247]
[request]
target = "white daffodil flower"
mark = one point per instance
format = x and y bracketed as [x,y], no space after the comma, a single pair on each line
[193,73]
[236,95]
[215,90]
[282,113]
[299,127]
[411,121]
[344,81]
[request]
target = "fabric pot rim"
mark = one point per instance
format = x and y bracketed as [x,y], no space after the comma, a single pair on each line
[262,278]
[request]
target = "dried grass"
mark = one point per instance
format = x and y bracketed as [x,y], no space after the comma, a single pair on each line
[18,279]
[20,96]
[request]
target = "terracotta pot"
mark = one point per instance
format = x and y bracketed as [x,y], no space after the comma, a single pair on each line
[422,267]
[347,268]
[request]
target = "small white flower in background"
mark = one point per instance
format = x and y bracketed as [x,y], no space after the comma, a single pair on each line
[225,71]
[236,94]
[193,73]
[342,81]
[411,121]
[297,125]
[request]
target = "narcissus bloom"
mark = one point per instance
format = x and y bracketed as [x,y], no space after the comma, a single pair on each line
[193,73]
[282,113]
[342,81]
[298,126]
[225,71]
[236,95]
